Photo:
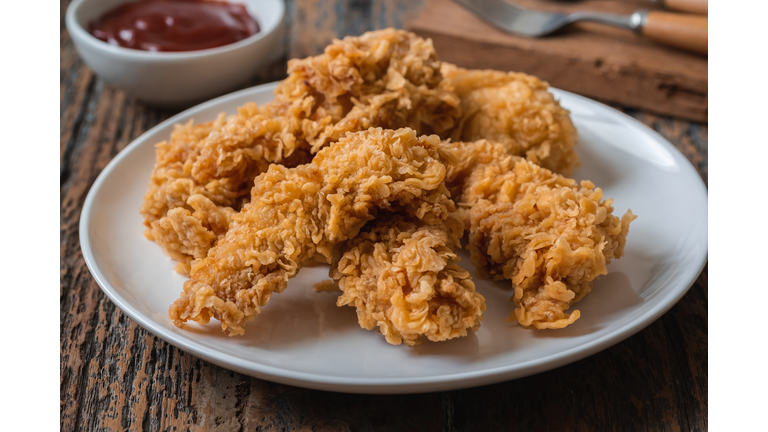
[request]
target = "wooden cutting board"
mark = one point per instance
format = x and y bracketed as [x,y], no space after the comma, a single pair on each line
[600,62]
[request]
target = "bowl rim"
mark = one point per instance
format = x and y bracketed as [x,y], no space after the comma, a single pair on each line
[78,32]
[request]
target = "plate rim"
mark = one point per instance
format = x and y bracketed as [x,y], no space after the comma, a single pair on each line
[383,385]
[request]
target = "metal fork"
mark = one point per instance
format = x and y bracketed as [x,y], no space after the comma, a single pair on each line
[686,31]
[535,24]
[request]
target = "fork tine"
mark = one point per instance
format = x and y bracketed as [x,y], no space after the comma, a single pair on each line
[534,23]
[498,11]
[503,8]
[514,19]
[492,10]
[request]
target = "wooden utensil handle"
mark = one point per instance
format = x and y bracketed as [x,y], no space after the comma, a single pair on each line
[692,6]
[688,32]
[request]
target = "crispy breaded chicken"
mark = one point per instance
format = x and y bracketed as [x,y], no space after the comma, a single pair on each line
[403,277]
[186,215]
[544,232]
[388,78]
[382,271]
[516,110]
[299,213]
[547,234]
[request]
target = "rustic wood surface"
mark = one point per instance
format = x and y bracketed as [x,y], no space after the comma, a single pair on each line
[116,376]
[594,60]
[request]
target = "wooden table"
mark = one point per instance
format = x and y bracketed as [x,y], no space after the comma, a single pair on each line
[116,376]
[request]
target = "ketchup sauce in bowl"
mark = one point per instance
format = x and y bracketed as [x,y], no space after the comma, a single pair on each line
[174,25]
[176,53]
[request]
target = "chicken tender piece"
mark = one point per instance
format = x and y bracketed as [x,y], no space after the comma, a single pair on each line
[549,235]
[403,277]
[516,110]
[296,214]
[189,235]
[186,216]
[378,269]
[171,184]
[470,155]
[388,78]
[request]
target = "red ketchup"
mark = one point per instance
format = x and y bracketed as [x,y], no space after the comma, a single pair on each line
[174,25]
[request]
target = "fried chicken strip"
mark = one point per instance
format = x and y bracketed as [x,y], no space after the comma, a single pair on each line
[184,215]
[403,277]
[516,110]
[388,78]
[549,235]
[299,213]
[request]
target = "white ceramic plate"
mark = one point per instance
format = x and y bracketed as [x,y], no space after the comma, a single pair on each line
[302,338]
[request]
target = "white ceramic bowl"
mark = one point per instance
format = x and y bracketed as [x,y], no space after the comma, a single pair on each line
[177,78]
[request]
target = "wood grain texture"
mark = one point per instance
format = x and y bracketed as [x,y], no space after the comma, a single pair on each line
[690,6]
[115,376]
[315,23]
[595,60]
[686,31]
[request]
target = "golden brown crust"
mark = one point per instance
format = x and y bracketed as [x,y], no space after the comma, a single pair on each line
[388,78]
[171,183]
[402,276]
[484,179]
[296,214]
[549,235]
[186,236]
[516,110]
[470,155]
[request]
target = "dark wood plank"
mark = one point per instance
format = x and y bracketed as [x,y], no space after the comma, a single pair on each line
[116,376]
[315,23]
[593,60]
